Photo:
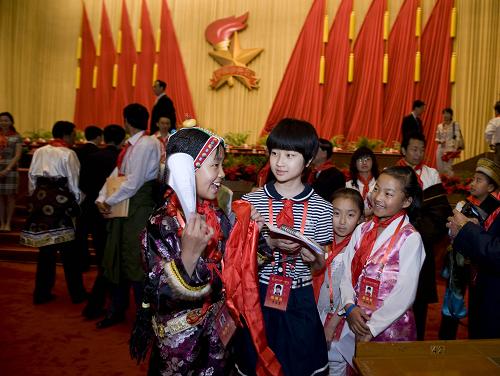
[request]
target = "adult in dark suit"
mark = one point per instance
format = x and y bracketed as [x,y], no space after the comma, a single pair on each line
[162,107]
[482,246]
[412,123]
[99,165]
[93,135]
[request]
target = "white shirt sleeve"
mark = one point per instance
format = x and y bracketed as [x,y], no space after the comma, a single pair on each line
[402,296]
[73,174]
[490,131]
[32,174]
[142,165]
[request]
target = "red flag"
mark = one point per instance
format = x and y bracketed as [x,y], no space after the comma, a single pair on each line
[125,59]
[365,95]
[435,88]
[337,55]
[300,95]
[84,109]
[143,92]
[171,68]
[399,89]
[105,62]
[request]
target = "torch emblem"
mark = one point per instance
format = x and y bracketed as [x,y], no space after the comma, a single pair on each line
[222,34]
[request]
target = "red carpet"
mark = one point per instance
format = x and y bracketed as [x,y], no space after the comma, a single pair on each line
[54,339]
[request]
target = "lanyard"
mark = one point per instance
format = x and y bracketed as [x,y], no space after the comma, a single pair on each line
[302,227]
[330,286]
[389,248]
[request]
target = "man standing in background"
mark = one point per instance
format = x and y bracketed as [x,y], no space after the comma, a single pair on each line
[163,105]
[412,123]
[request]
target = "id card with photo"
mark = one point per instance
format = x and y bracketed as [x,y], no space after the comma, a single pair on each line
[368,293]
[225,325]
[278,292]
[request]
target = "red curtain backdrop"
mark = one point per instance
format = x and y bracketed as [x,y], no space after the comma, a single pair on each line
[84,106]
[398,96]
[171,68]
[336,56]
[104,90]
[143,92]
[126,59]
[365,94]
[434,87]
[300,94]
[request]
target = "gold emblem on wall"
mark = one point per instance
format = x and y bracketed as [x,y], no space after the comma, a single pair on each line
[223,36]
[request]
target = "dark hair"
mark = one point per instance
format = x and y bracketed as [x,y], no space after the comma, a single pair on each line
[497,107]
[296,135]
[350,194]
[161,84]
[92,132]
[361,152]
[418,103]
[62,128]
[327,146]
[136,115]
[412,136]
[411,187]
[448,110]
[9,115]
[114,134]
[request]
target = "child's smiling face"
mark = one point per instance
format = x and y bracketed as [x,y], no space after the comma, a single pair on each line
[286,165]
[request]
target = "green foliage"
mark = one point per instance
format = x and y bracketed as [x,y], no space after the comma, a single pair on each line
[370,143]
[338,140]
[236,139]
[243,167]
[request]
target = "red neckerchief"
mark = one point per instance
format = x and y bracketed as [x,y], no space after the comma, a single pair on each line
[473,200]
[322,167]
[333,251]
[366,184]
[285,216]
[58,143]
[420,166]
[121,156]
[3,141]
[207,209]
[367,242]
[491,218]
[3,137]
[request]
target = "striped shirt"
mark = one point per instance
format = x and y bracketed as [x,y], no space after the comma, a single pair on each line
[318,226]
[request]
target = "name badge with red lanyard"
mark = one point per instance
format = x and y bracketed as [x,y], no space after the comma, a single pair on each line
[280,286]
[369,287]
[331,326]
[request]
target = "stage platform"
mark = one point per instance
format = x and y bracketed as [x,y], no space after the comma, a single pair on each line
[453,358]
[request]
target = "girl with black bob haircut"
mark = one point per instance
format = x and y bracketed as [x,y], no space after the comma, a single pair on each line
[296,135]
[292,325]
